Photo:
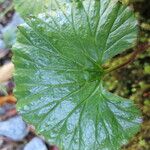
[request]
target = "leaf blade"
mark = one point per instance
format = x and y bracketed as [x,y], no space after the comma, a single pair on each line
[63,94]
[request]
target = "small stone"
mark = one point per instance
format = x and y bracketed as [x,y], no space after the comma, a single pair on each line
[4,109]
[9,32]
[17,20]
[2,45]
[1,142]
[37,144]
[14,128]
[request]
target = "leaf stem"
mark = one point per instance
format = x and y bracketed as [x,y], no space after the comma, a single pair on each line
[129,58]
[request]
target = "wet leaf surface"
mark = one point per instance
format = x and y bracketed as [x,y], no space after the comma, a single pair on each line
[63,95]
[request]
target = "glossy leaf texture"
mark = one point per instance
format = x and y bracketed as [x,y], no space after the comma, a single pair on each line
[27,8]
[31,7]
[58,59]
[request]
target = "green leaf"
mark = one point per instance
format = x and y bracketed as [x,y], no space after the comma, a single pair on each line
[31,7]
[58,59]
[27,7]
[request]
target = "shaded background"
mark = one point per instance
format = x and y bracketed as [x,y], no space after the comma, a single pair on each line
[132,81]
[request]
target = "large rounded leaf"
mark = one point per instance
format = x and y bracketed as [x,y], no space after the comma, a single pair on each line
[58,59]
